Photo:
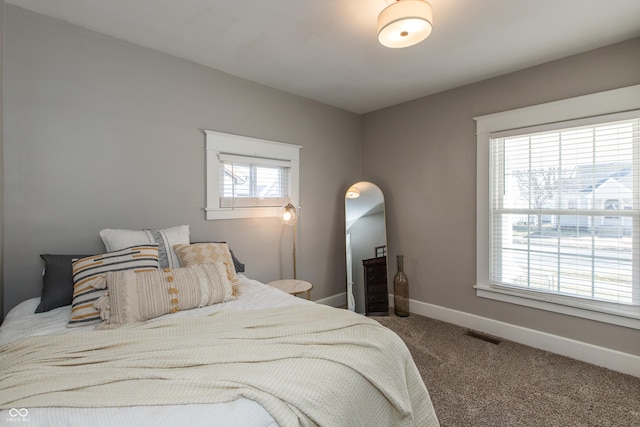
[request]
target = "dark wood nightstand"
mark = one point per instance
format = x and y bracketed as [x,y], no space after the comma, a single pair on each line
[375,287]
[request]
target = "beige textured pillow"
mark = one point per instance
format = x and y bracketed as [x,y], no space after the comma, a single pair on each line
[136,297]
[207,253]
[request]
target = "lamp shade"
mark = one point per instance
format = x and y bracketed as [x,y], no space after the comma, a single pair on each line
[404,23]
[288,214]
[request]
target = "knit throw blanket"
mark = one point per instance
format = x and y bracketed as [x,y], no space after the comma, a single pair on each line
[305,364]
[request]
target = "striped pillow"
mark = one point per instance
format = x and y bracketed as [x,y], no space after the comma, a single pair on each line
[115,239]
[89,281]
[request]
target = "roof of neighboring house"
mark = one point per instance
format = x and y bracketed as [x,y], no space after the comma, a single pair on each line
[588,178]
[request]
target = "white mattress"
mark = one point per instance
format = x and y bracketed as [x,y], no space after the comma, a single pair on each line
[22,322]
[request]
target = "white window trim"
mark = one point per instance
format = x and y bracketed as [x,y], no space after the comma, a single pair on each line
[218,143]
[597,104]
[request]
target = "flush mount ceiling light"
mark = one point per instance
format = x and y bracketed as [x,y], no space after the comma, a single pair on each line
[353,193]
[404,23]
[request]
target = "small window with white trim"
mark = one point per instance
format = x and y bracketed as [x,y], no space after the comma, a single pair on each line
[558,219]
[249,177]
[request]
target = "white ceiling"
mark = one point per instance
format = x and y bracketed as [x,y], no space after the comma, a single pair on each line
[371,201]
[327,50]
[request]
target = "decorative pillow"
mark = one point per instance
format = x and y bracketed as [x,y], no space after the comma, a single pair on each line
[57,281]
[207,253]
[136,297]
[116,239]
[239,266]
[89,281]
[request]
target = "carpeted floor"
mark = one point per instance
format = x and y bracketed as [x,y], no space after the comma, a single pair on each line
[477,383]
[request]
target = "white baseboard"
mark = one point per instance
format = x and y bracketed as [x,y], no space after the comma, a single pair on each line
[596,355]
[337,300]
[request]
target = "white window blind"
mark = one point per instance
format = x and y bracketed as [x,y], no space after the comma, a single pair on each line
[249,177]
[248,182]
[565,210]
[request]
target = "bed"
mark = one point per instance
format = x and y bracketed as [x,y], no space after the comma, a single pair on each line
[264,358]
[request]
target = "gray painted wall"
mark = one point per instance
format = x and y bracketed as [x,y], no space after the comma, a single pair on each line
[103,133]
[1,168]
[423,156]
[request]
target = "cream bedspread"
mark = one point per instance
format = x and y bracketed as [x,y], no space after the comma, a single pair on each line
[305,364]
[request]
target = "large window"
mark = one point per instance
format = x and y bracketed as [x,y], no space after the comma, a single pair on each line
[562,219]
[249,177]
[563,215]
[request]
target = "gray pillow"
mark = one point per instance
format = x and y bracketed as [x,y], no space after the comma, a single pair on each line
[57,281]
[236,263]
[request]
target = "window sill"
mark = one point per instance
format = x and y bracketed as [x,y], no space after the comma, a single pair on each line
[616,314]
[222,213]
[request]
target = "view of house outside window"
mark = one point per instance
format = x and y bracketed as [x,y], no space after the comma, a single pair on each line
[262,182]
[565,212]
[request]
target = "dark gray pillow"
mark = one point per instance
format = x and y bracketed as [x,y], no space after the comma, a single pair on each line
[236,263]
[57,281]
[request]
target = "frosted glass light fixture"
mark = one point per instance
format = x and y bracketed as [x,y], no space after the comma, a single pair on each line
[353,193]
[404,23]
[288,214]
